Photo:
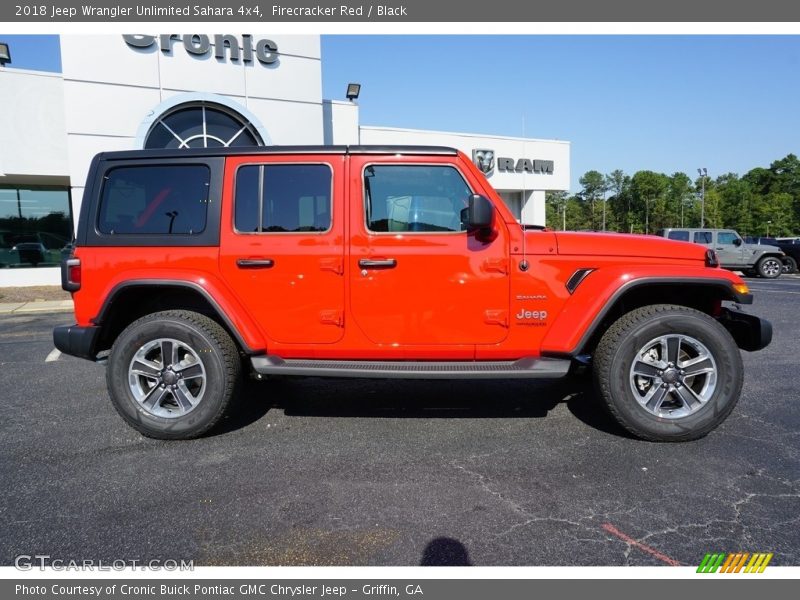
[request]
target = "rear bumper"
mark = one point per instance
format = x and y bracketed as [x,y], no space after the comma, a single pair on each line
[750,332]
[76,341]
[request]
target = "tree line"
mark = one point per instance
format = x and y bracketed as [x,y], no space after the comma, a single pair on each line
[761,202]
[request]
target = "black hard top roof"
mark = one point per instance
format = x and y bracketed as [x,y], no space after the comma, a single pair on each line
[261,150]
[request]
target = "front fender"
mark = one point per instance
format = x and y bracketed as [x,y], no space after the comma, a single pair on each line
[598,292]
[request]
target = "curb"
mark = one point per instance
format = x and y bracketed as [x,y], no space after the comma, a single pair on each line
[47,306]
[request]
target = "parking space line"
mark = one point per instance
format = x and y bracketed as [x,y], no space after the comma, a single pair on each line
[773,291]
[643,547]
[54,355]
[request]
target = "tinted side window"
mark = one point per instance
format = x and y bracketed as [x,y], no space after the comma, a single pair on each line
[154,200]
[407,198]
[702,237]
[726,237]
[283,198]
[681,236]
[247,199]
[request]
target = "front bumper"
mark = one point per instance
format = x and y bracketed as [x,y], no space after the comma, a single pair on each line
[77,341]
[751,333]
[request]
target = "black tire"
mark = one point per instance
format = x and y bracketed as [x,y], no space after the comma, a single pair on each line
[789,265]
[620,346]
[769,267]
[211,346]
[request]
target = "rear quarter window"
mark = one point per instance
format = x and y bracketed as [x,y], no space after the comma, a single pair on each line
[681,236]
[154,199]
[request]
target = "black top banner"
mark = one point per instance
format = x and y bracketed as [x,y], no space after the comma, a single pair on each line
[404,11]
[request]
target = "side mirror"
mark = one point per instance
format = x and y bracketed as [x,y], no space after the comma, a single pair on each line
[478,216]
[737,242]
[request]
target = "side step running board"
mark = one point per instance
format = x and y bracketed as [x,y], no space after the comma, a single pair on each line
[535,368]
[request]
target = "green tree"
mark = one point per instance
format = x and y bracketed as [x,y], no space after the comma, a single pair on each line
[555,205]
[619,204]
[648,190]
[594,188]
[737,202]
[680,197]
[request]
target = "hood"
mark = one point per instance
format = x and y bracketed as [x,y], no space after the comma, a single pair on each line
[623,244]
[762,248]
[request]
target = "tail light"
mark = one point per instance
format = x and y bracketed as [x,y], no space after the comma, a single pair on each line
[711,259]
[71,274]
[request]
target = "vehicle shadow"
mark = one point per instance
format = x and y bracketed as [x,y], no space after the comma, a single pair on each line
[445,552]
[415,399]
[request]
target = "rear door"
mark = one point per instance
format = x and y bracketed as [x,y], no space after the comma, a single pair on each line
[282,249]
[417,278]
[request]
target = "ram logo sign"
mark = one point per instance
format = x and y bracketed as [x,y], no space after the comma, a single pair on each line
[525,165]
[483,159]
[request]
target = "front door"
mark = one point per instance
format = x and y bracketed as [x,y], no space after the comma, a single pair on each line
[282,252]
[417,278]
[730,249]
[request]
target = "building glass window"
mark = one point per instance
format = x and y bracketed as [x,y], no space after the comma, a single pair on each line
[35,226]
[202,125]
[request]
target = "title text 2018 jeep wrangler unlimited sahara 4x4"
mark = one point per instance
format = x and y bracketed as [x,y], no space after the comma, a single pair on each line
[380,262]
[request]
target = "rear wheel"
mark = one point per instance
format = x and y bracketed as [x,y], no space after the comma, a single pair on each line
[769,267]
[668,373]
[789,265]
[172,374]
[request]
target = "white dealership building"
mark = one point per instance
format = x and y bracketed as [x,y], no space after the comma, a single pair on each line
[146,91]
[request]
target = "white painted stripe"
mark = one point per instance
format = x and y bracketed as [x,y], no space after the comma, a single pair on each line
[53,356]
[773,291]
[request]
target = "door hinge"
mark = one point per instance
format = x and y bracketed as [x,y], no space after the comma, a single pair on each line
[497,265]
[332,264]
[331,317]
[496,317]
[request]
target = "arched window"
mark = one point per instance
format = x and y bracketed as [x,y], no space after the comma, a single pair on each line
[201,125]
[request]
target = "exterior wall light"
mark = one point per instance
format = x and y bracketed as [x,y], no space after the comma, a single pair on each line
[353,90]
[5,55]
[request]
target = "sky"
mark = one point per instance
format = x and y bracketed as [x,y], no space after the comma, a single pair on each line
[662,103]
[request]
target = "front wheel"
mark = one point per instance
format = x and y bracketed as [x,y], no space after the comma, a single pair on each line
[769,267]
[172,374]
[789,265]
[668,373]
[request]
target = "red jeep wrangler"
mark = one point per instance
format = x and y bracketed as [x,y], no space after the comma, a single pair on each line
[364,261]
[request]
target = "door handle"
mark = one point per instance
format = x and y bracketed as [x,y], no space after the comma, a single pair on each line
[384,263]
[255,263]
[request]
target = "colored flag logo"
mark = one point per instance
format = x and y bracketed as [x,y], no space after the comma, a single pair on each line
[743,562]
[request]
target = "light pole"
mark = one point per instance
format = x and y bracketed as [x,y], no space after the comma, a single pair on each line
[768,224]
[564,215]
[683,206]
[604,209]
[703,172]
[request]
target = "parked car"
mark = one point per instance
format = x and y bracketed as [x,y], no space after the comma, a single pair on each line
[733,252]
[191,266]
[789,246]
[31,253]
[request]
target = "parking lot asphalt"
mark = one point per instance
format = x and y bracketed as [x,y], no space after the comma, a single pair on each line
[372,472]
